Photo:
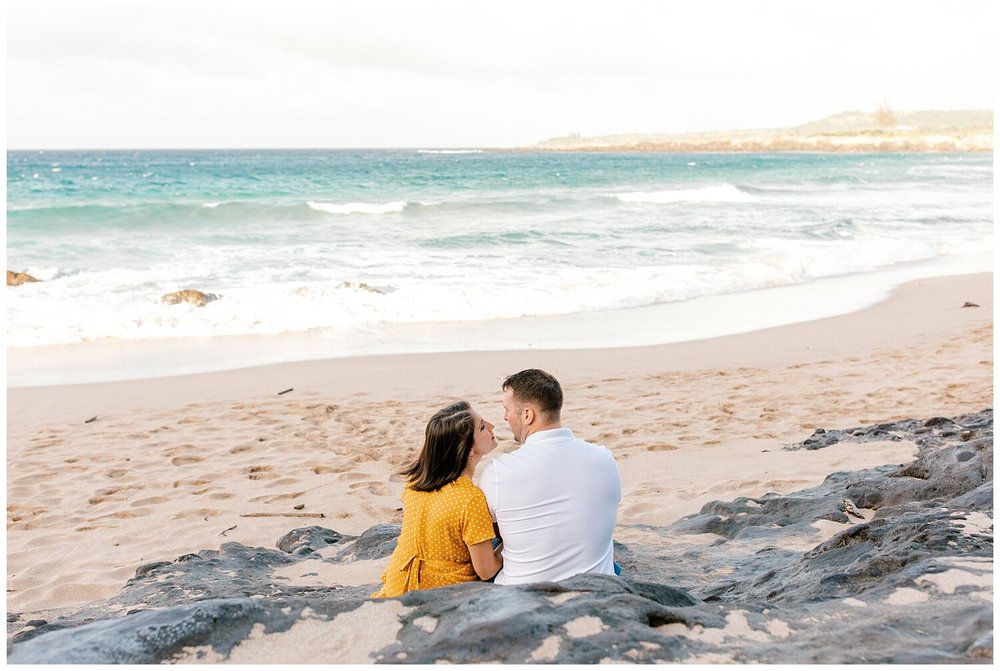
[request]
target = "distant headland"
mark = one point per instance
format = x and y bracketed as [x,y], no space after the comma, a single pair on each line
[883,130]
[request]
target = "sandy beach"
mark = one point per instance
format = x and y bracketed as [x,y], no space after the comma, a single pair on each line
[102,478]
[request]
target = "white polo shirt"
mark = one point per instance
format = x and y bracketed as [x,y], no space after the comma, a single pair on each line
[555,500]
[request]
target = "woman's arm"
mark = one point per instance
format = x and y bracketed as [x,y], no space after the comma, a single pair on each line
[485,560]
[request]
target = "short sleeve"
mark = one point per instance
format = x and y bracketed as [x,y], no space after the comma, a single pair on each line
[477,525]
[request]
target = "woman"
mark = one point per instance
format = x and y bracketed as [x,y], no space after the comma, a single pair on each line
[447,529]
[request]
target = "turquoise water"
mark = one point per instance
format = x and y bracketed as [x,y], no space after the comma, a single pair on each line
[307,241]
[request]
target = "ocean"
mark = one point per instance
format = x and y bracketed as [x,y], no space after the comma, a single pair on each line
[355,244]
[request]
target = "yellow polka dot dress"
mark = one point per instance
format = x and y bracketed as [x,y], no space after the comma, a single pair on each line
[432,550]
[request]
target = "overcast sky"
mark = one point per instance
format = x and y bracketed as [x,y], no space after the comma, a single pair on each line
[475,74]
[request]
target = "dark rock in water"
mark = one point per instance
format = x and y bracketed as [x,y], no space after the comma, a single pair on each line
[193,296]
[906,579]
[360,286]
[16,279]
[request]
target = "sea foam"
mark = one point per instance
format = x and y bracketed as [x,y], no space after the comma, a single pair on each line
[708,194]
[358,208]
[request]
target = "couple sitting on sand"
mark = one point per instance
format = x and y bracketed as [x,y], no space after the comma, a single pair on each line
[552,503]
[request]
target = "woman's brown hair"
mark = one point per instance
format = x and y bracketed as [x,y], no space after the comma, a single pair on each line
[448,441]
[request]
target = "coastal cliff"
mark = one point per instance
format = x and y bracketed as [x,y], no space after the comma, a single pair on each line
[879,131]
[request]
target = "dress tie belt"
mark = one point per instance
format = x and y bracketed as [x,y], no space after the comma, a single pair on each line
[415,565]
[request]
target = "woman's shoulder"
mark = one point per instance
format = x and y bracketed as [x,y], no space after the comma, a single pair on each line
[468,490]
[460,490]
[464,483]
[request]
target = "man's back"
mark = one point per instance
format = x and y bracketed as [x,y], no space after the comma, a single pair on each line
[555,501]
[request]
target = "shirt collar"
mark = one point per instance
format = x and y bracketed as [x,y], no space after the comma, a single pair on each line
[547,435]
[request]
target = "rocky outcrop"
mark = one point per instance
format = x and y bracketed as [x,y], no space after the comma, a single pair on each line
[878,131]
[192,296]
[16,279]
[360,286]
[901,574]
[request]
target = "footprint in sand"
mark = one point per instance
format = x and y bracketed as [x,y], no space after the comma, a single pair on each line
[376,488]
[125,514]
[46,441]
[322,470]
[104,495]
[190,483]
[320,411]
[639,509]
[178,449]
[149,501]
[662,447]
[182,461]
[199,512]
[25,514]
[746,485]
[260,473]
[354,475]
[271,498]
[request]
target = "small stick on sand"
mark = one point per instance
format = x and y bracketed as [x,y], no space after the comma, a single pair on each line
[282,515]
[88,421]
[223,533]
[286,391]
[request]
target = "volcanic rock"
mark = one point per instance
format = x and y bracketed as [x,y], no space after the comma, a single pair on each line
[192,296]
[15,279]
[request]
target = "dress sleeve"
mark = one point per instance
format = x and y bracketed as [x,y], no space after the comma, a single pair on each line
[477,525]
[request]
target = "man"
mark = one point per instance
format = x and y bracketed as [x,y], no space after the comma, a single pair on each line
[554,500]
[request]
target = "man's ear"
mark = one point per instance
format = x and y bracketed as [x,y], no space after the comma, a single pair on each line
[529,415]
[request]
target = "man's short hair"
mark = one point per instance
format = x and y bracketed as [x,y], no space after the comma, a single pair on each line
[537,387]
